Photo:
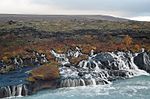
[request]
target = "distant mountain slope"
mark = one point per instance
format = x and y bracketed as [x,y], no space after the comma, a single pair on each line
[19,17]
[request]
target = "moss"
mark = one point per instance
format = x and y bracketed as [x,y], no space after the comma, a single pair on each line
[30,79]
[45,72]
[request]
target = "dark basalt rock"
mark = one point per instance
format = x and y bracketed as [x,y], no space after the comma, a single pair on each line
[142,60]
[117,74]
[3,93]
[33,87]
[103,57]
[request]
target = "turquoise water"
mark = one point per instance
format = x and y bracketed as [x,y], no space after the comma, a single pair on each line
[14,77]
[133,88]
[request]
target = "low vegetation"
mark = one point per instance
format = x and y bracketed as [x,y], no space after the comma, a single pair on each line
[16,37]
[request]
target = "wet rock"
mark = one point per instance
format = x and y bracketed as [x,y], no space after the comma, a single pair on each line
[118,73]
[103,57]
[142,60]
[3,92]
[33,87]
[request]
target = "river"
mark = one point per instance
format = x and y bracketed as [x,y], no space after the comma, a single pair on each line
[133,88]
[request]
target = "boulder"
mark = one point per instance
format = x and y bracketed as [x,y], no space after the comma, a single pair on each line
[45,72]
[104,57]
[142,60]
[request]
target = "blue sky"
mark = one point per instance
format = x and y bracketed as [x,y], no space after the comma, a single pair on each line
[133,9]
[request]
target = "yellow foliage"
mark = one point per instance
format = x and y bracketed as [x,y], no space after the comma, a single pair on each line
[93,47]
[136,48]
[127,40]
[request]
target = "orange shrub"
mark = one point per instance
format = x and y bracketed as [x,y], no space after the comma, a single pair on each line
[136,48]
[127,41]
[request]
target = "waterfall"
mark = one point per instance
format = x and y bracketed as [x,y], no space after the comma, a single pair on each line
[135,70]
[93,81]
[19,90]
[101,68]
[125,61]
[61,58]
[82,82]
[106,81]
[25,93]
[13,91]
[9,90]
[74,82]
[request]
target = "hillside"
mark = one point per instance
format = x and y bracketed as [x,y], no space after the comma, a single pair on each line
[102,33]
[21,17]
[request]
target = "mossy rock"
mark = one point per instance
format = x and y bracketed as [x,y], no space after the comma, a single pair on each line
[45,72]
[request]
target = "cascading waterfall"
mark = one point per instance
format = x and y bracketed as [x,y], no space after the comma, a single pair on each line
[97,69]
[13,91]
[19,90]
[82,82]
[61,58]
[125,61]
[105,66]
[93,81]
[9,91]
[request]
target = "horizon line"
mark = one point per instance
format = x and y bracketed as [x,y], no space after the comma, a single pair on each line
[107,15]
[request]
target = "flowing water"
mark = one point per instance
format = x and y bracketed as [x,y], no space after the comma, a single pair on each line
[133,88]
[13,82]
[90,79]
[15,77]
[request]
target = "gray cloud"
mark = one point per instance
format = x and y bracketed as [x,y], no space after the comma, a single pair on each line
[128,7]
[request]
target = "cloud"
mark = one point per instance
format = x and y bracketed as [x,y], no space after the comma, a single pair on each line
[141,18]
[127,7]
[46,7]
[26,7]
[121,8]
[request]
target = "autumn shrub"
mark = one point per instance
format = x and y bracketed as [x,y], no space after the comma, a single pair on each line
[136,48]
[127,41]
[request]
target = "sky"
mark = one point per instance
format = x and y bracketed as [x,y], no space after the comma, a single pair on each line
[131,9]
